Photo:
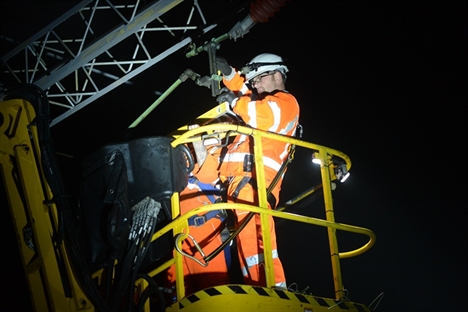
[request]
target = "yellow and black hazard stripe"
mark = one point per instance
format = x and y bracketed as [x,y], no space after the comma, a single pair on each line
[278,294]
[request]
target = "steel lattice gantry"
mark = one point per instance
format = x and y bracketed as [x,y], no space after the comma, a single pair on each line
[79,58]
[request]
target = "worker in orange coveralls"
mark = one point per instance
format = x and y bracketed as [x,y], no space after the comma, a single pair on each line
[205,229]
[270,108]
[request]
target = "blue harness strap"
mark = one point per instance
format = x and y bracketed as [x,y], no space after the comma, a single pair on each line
[210,191]
[207,188]
[200,220]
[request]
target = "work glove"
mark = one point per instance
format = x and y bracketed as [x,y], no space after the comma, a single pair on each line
[226,97]
[223,66]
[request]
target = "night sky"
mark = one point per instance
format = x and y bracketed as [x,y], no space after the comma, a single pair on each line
[385,82]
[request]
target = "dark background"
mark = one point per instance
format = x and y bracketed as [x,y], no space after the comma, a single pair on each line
[383,81]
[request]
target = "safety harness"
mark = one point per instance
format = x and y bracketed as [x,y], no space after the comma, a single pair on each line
[249,180]
[269,189]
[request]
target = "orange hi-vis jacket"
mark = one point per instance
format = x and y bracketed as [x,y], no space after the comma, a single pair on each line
[276,112]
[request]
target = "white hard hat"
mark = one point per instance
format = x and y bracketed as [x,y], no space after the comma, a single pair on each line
[263,63]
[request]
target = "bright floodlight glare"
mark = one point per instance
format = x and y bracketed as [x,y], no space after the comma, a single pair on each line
[315,160]
[341,172]
[345,177]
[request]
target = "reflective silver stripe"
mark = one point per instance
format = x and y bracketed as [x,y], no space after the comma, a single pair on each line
[274,254]
[252,113]
[285,151]
[239,157]
[271,163]
[231,75]
[234,157]
[282,285]
[234,102]
[242,139]
[192,186]
[244,271]
[276,116]
[292,125]
[244,89]
[275,109]
[256,260]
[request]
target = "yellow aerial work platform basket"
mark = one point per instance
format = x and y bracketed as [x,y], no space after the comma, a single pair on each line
[56,281]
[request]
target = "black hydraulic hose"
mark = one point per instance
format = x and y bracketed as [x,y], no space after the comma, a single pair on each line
[107,279]
[141,253]
[148,293]
[123,278]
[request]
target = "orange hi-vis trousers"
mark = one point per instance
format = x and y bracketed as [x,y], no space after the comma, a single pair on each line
[249,240]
